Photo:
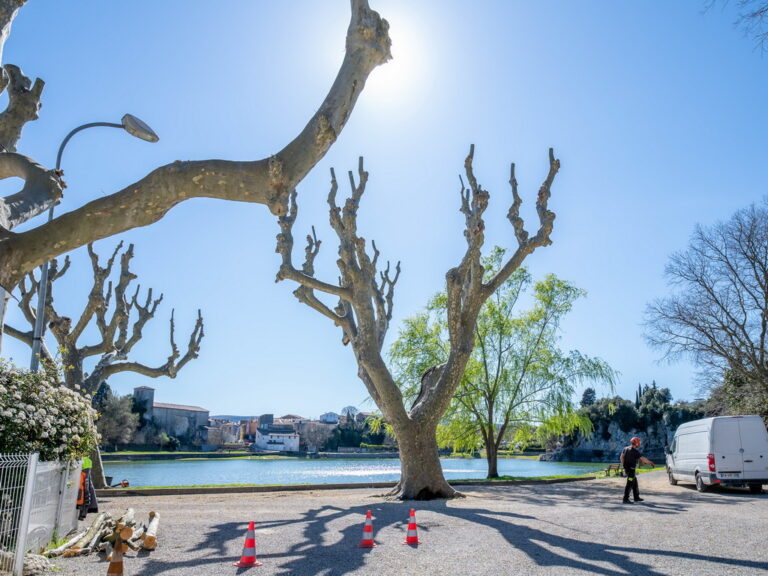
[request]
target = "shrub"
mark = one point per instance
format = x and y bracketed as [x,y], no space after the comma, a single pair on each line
[38,414]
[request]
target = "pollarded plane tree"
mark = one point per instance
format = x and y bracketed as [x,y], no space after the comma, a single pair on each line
[266,181]
[111,309]
[364,310]
[120,319]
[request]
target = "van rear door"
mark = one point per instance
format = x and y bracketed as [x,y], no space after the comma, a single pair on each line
[754,441]
[726,446]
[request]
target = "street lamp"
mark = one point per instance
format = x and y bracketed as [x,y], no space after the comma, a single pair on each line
[135,127]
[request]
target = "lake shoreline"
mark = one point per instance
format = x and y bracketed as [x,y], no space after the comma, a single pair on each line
[198,490]
[149,456]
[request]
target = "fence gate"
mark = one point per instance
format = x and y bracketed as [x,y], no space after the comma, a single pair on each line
[37,502]
[17,473]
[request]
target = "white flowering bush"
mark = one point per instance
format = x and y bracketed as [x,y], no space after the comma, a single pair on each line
[37,414]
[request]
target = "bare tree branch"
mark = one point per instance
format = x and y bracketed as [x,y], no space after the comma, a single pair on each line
[118,337]
[267,181]
[23,106]
[464,284]
[42,188]
[26,338]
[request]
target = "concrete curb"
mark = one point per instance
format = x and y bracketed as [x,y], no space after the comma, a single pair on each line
[305,487]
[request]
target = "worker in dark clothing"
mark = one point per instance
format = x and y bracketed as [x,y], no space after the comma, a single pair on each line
[86,496]
[630,457]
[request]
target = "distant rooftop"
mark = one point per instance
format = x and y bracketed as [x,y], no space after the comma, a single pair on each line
[178,407]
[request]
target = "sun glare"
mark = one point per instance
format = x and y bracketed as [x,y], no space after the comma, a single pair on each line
[403,78]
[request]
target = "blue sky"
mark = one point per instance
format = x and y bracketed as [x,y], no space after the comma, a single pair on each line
[656,110]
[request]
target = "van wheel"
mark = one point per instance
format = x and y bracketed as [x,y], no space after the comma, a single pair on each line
[700,486]
[671,478]
[756,488]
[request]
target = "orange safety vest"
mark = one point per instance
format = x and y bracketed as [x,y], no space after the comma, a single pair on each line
[81,491]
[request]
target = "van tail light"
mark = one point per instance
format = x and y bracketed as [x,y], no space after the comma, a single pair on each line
[711,462]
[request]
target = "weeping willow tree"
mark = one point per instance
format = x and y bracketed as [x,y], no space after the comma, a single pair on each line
[517,381]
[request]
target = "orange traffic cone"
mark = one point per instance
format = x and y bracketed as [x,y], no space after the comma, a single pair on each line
[115,567]
[413,536]
[367,540]
[248,557]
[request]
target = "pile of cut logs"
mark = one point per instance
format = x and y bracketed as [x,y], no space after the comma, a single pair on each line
[108,535]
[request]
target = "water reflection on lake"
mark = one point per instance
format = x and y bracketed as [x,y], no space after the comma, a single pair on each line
[318,471]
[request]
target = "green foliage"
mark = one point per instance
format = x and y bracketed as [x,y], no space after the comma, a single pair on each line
[682,413]
[516,377]
[588,397]
[616,409]
[738,395]
[654,402]
[375,446]
[117,421]
[38,414]
[652,405]
[376,426]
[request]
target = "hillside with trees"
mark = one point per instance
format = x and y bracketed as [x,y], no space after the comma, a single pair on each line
[652,417]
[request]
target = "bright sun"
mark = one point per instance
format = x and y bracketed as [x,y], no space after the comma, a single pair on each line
[403,77]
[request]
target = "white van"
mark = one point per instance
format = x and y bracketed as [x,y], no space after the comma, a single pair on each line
[724,451]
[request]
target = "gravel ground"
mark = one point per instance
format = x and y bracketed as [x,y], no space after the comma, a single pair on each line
[557,529]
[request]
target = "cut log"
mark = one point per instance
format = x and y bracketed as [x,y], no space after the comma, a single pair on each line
[60,550]
[127,518]
[101,534]
[130,544]
[92,531]
[150,536]
[138,533]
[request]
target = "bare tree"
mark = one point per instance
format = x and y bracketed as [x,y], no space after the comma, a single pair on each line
[752,19]
[364,310]
[314,435]
[267,181]
[718,312]
[111,309]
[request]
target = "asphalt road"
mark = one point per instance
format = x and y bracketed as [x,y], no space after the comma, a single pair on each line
[557,529]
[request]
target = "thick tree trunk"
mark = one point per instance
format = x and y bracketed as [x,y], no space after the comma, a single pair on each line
[4,296]
[421,476]
[492,457]
[97,471]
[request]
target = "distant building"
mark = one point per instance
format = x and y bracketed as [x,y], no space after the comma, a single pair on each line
[179,420]
[329,418]
[361,417]
[282,442]
[291,418]
[274,434]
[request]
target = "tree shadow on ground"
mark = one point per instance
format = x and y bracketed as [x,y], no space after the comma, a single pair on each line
[330,534]
[323,540]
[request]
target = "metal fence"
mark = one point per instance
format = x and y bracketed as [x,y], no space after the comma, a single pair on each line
[37,504]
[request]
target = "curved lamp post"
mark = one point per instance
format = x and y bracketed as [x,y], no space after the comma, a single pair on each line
[135,127]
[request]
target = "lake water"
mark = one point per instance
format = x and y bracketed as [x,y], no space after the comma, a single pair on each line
[318,471]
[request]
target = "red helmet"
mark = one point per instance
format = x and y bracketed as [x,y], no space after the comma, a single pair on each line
[635,441]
